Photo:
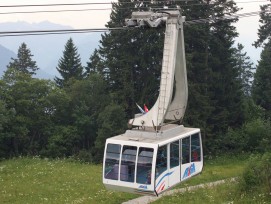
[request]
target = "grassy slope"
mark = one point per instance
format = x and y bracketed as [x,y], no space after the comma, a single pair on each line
[216,169]
[227,193]
[28,180]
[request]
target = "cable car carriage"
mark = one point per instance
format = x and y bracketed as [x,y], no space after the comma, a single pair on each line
[157,154]
[149,163]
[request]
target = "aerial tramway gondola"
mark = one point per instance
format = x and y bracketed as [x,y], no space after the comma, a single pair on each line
[155,155]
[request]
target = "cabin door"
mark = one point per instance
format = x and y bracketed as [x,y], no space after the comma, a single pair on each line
[174,163]
[161,169]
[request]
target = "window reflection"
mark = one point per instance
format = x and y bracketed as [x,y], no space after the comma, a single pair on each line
[195,148]
[144,165]
[161,161]
[127,169]
[112,161]
[174,154]
[186,150]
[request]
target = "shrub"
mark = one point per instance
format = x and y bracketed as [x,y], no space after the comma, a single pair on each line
[84,156]
[258,135]
[254,136]
[257,174]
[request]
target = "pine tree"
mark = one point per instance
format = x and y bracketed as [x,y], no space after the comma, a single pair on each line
[69,66]
[132,61]
[24,62]
[95,64]
[245,69]
[265,26]
[210,69]
[261,89]
[225,89]
[197,40]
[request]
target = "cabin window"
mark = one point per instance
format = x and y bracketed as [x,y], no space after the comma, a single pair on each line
[174,154]
[144,165]
[186,150]
[195,148]
[127,168]
[112,158]
[161,161]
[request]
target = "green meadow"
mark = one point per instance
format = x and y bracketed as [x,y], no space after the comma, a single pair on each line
[36,180]
[228,193]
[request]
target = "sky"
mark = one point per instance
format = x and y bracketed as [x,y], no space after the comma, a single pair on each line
[85,19]
[247,27]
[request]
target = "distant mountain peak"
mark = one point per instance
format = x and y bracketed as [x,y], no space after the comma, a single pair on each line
[22,25]
[5,57]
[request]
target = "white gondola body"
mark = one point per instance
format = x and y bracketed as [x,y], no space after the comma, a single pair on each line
[152,182]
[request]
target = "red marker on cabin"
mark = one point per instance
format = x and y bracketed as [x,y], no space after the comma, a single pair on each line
[146,108]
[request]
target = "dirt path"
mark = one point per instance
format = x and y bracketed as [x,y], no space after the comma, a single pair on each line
[149,199]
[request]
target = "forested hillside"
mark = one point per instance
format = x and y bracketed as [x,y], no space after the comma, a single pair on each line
[75,113]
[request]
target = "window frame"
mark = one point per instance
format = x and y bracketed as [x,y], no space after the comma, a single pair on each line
[125,162]
[114,165]
[148,166]
[197,149]
[189,150]
[178,156]
[158,171]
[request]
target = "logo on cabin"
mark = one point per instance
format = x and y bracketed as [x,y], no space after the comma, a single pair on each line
[143,187]
[189,171]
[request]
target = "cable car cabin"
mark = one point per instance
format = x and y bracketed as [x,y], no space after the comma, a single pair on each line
[147,162]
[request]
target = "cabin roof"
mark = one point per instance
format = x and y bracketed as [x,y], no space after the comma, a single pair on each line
[167,134]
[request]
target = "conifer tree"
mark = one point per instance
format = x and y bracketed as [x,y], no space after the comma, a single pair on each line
[132,60]
[265,26]
[225,90]
[210,69]
[261,89]
[24,62]
[94,65]
[197,40]
[245,69]
[69,66]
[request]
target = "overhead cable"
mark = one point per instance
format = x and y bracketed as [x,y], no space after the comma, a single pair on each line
[73,10]
[68,31]
[55,11]
[83,4]
[213,19]
[98,9]
[53,32]
[109,3]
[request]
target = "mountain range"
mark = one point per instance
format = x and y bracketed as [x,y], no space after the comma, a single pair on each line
[46,49]
[5,56]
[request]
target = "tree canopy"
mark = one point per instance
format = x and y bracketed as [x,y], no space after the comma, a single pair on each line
[261,91]
[24,62]
[73,115]
[265,26]
[69,66]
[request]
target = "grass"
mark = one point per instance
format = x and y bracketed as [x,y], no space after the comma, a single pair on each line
[28,180]
[35,180]
[216,169]
[228,193]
